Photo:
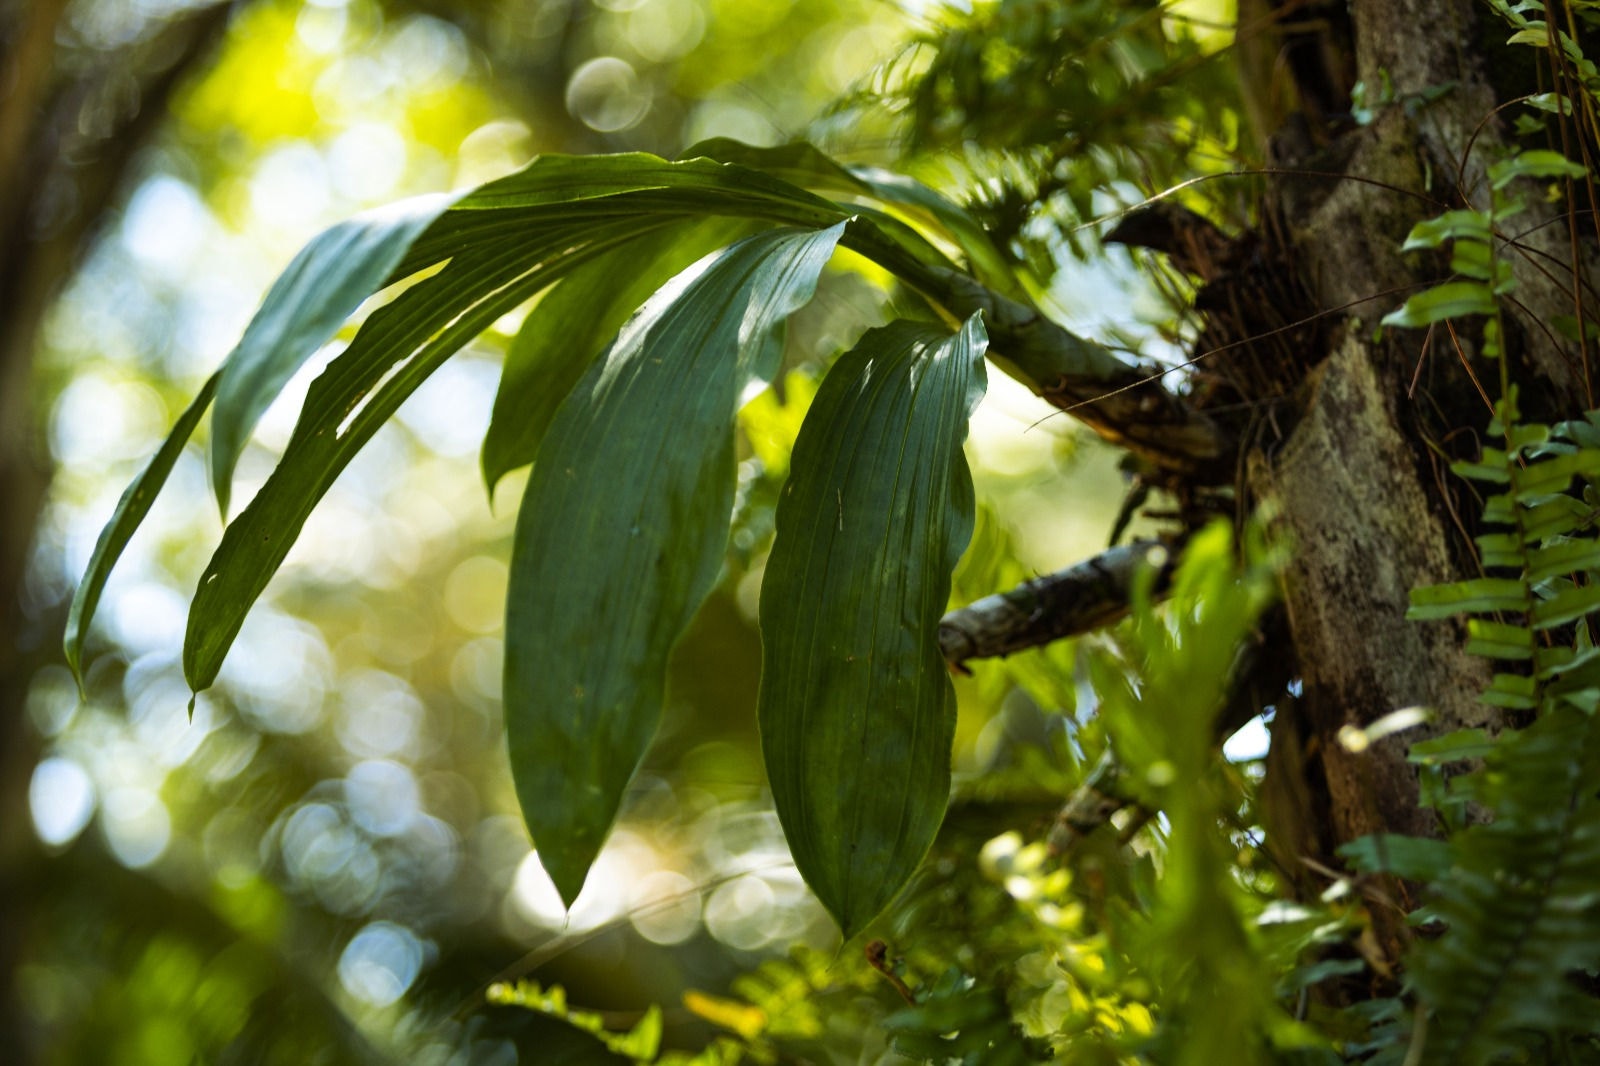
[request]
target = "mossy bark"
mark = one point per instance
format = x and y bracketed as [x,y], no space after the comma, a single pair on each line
[1359,478]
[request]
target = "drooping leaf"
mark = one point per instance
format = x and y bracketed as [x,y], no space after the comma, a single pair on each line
[130,512]
[324,283]
[1453,299]
[1534,163]
[857,710]
[637,184]
[622,531]
[569,327]
[807,166]
[394,352]
[1450,226]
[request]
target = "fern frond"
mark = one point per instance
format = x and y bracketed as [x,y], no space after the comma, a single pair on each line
[1521,902]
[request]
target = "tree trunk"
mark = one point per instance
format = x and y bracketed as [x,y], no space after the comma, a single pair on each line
[1355,478]
[67,145]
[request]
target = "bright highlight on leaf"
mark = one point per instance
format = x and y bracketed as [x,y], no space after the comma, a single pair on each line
[308,303]
[857,709]
[569,327]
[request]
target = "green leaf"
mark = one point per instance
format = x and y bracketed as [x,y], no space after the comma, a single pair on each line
[1563,558]
[1417,858]
[857,709]
[1554,474]
[130,512]
[805,165]
[571,324]
[1481,594]
[1555,103]
[395,350]
[1566,606]
[1450,226]
[1501,550]
[1494,473]
[1472,259]
[1513,691]
[798,162]
[1498,640]
[622,531]
[1554,517]
[1453,299]
[637,184]
[1534,163]
[325,282]
[1452,747]
[1561,660]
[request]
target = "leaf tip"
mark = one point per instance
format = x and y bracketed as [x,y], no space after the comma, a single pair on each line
[568,871]
[222,489]
[72,647]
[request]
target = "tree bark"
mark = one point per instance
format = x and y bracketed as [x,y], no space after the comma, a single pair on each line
[1356,480]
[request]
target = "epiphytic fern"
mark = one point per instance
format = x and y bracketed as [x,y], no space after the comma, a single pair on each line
[1518,897]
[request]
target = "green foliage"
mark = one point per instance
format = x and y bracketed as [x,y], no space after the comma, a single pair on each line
[663,292]
[857,710]
[131,511]
[1040,108]
[963,1022]
[600,592]
[622,531]
[572,323]
[309,302]
[589,1041]
[1508,931]
[1512,890]
[1160,701]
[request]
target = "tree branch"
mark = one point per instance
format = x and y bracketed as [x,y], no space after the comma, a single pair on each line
[1082,597]
[1125,404]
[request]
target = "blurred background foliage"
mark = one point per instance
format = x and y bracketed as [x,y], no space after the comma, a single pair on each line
[320,859]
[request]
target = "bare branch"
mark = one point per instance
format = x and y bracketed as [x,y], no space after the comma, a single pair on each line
[1082,597]
[1125,404]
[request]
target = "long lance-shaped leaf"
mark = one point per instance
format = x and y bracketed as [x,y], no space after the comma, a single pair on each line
[693,185]
[394,352]
[857,709]
[572,323]
[807,166]
[622,531]
[130,512]
[563,189]
[329,279]
[1120,401]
